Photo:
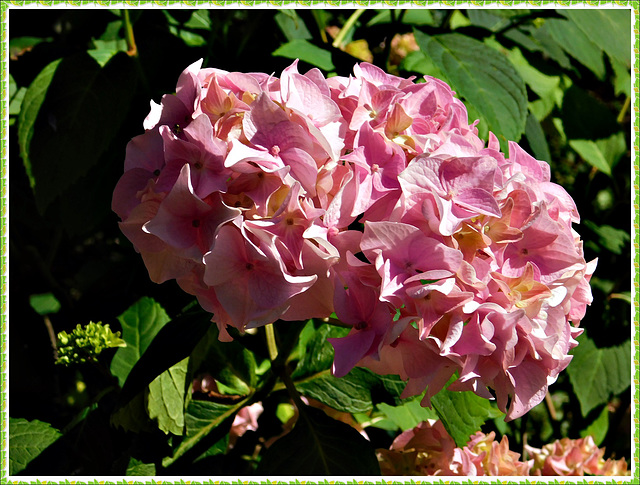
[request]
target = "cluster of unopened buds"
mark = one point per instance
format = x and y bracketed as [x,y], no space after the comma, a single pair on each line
[370,198]
[428,449]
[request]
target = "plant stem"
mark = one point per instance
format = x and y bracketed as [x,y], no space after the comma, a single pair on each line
[551,407]
[623,111]
[271,342]
[132,49]
[337,42]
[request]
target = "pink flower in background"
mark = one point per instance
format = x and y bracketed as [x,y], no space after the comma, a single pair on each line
[373,198]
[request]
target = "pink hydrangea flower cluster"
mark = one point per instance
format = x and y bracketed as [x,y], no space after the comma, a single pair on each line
[428,449]
[579,457]
[370,196]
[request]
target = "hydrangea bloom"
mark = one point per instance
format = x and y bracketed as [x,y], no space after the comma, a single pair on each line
[567,457]
[370,196]
[428,449]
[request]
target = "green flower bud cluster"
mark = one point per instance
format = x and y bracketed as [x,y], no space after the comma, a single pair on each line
[85,343]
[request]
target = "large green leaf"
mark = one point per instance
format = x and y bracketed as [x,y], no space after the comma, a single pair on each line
[484,78]
[73,109]
[165,402]
[27,439]
[307,52]
[608,28]
[596,374]
[462,413]
[319,445]
[351,393]
[408,414]
[140,324]
[577,44]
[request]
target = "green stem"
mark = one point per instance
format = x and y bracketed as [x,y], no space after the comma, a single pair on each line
[623,111]
[132,49]
[271,342]
[337,42]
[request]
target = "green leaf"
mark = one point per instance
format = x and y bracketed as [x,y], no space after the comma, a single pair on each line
[166,398]
[351,393]
[27,439]
[137,468]
[484,78]
[292,26]
[232,365]
[608,28]
[33,99]
[462,413]
[546,87]
[590,152]
[330,448]
[20,45]
[596,374]
[314,352]
[577,44]
[106,49]
[44,304]
[417,61]
[175,341]
[206,424]
[610,238]
[73,109]
[16,102]
[537,38]
[598,429]
[622,79]
[418,16]
[199,20]
[140,324]
[307,52]
[613,148]
[407,415]
[537,141]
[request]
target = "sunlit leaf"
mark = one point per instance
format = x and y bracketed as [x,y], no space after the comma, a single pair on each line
[407,415]
[165,401]
[140,324]
[307,52]
[27,439]
[462,413]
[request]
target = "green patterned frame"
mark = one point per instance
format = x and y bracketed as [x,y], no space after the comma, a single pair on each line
[7,5]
